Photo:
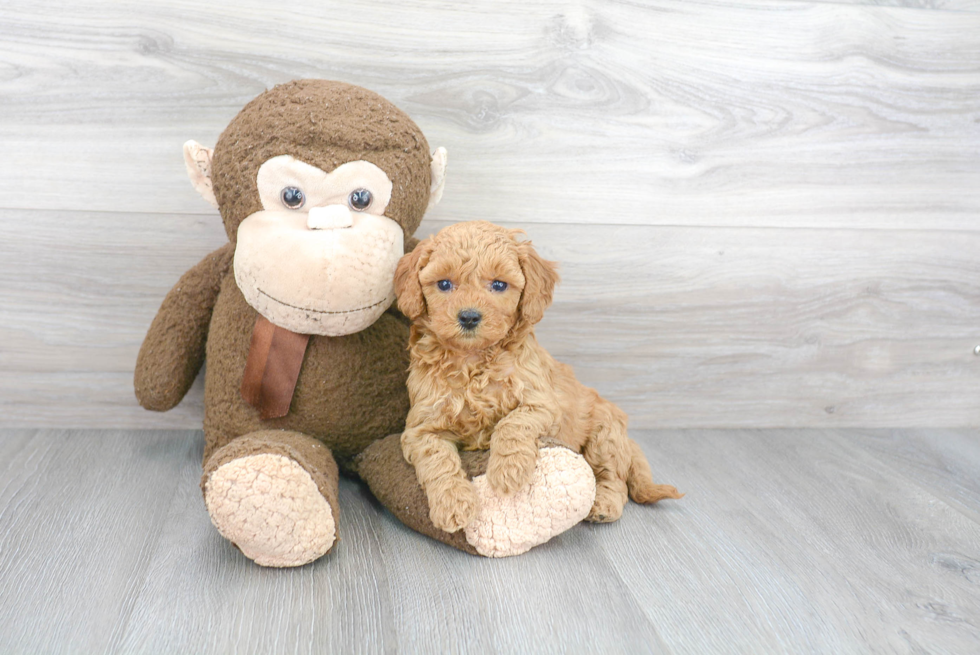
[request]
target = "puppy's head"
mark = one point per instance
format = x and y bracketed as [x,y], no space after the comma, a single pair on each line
[473,284]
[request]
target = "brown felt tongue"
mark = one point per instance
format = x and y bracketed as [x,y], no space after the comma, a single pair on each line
[272,368]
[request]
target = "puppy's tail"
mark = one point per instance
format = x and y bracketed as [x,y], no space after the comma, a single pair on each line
[639,480]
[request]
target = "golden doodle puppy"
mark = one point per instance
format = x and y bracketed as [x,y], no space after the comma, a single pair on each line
[479,379]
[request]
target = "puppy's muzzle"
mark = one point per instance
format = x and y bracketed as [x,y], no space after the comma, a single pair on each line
[469,318]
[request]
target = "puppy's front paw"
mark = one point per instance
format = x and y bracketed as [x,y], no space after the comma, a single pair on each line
[510,473]
[454,505]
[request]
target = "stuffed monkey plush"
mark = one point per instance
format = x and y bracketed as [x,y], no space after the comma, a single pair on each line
[320,186]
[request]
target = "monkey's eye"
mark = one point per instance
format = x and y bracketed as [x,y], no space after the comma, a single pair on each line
[359,200]
[444,285]
[292,197]
[498,285]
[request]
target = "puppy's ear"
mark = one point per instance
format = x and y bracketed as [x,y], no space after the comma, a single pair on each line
[411,300]
[540,278]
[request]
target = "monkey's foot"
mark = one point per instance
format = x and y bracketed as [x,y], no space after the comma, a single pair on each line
[270,507]
[561,493]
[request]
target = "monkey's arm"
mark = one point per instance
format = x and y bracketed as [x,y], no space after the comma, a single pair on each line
[173,350]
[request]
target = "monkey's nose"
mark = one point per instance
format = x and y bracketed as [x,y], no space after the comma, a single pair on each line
[330,217]
[469,318]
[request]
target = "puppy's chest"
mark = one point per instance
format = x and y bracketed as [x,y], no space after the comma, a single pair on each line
[477,406]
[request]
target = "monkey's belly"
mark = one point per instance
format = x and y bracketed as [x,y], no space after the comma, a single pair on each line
[351,389]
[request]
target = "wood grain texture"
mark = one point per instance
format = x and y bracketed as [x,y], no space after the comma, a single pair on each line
[829,149]
[682,327]
[757,112]
[80,516]
[787,541]
[941,461]
[803,541]
[928,5]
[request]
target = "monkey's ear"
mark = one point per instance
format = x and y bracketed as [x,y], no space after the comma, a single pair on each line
[540,278]
[197,158]
[439,158]
[411,300]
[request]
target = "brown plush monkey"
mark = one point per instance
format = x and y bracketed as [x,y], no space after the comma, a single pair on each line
[320,186]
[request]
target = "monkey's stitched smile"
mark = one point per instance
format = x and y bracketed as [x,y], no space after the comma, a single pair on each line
[322,311]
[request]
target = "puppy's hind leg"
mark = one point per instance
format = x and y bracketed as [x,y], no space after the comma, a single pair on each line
[607,452]
[619,466]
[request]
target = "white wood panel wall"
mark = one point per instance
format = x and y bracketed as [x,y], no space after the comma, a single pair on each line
[766,211]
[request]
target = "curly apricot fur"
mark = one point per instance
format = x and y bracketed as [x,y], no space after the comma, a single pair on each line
[494,387]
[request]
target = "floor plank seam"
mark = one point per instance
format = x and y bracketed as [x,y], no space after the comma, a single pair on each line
[439,221]
[120,631]
[626,591]
[921,486]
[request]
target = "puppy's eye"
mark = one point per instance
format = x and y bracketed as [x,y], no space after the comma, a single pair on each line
[359,200]
[292,197]
[444,285]
[498,285]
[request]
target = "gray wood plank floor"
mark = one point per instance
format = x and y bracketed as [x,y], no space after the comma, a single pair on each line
[842,541]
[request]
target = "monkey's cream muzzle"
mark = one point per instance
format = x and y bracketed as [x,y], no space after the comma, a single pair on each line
[314,265]
[334,279]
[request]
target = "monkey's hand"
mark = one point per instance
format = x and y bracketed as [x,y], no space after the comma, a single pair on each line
[173,350]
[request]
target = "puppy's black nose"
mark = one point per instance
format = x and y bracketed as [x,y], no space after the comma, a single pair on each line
[469,318]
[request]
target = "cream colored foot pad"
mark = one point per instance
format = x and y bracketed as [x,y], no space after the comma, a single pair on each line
[270,507]
[561,494]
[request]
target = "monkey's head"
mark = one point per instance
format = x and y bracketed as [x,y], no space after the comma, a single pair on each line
[319,184]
